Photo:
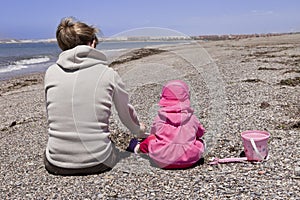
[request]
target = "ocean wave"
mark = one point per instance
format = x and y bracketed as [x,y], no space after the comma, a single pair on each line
[11,68]
[23,64]
[32,61]
[113,50]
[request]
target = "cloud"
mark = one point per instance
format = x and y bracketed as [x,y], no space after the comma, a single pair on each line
[262,12]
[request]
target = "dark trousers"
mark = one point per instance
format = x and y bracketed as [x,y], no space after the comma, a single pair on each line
[107,165]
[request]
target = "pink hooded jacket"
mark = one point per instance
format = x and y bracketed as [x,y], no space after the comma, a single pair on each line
[177,130]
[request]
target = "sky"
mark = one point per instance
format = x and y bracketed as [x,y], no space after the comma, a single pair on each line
[38,19]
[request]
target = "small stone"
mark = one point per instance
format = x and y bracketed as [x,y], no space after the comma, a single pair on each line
[30,164]
[264,105]
[210,168]
[261,172]
[297,171]
[18,183]
[13,124]
[109,177]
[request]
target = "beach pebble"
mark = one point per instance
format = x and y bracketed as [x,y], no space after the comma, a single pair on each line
[297,171]
[13,123]
[264,105]
[22,147]
[261,172]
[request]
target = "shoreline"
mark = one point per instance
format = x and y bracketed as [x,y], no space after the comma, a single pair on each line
[41,59]
[261,89]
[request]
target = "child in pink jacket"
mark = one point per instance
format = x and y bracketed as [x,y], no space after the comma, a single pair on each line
[174,141]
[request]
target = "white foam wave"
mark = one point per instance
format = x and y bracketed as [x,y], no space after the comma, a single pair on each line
[112,50]
[10,68]
[31,61]
[23,64]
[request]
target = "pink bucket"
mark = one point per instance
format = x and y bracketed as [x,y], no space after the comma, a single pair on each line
[255,144]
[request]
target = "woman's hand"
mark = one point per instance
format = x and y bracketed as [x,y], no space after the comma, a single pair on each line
[142,133]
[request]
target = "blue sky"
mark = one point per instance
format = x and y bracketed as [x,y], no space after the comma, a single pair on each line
[38,19]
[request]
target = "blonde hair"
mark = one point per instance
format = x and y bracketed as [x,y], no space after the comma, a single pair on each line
[71,33]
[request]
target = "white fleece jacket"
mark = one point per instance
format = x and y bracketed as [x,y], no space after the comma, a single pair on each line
[80,90]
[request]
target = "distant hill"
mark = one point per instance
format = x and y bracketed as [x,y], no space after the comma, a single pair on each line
[200,37]
[237,36]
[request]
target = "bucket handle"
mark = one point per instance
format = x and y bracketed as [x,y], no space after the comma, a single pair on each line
[255,149]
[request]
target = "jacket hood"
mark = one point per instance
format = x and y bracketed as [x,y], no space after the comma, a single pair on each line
[82,56]
[175,103]
[175,92]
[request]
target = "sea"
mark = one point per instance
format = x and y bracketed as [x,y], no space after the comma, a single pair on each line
[31,57]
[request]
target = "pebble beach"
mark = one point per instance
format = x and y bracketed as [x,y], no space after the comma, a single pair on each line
[236,85]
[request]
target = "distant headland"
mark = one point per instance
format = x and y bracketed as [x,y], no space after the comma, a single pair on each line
[158,38]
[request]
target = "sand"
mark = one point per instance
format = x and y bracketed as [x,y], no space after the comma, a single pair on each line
[236,85]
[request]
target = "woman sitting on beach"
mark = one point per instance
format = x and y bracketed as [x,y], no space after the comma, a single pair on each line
[80,90]
[175,136]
